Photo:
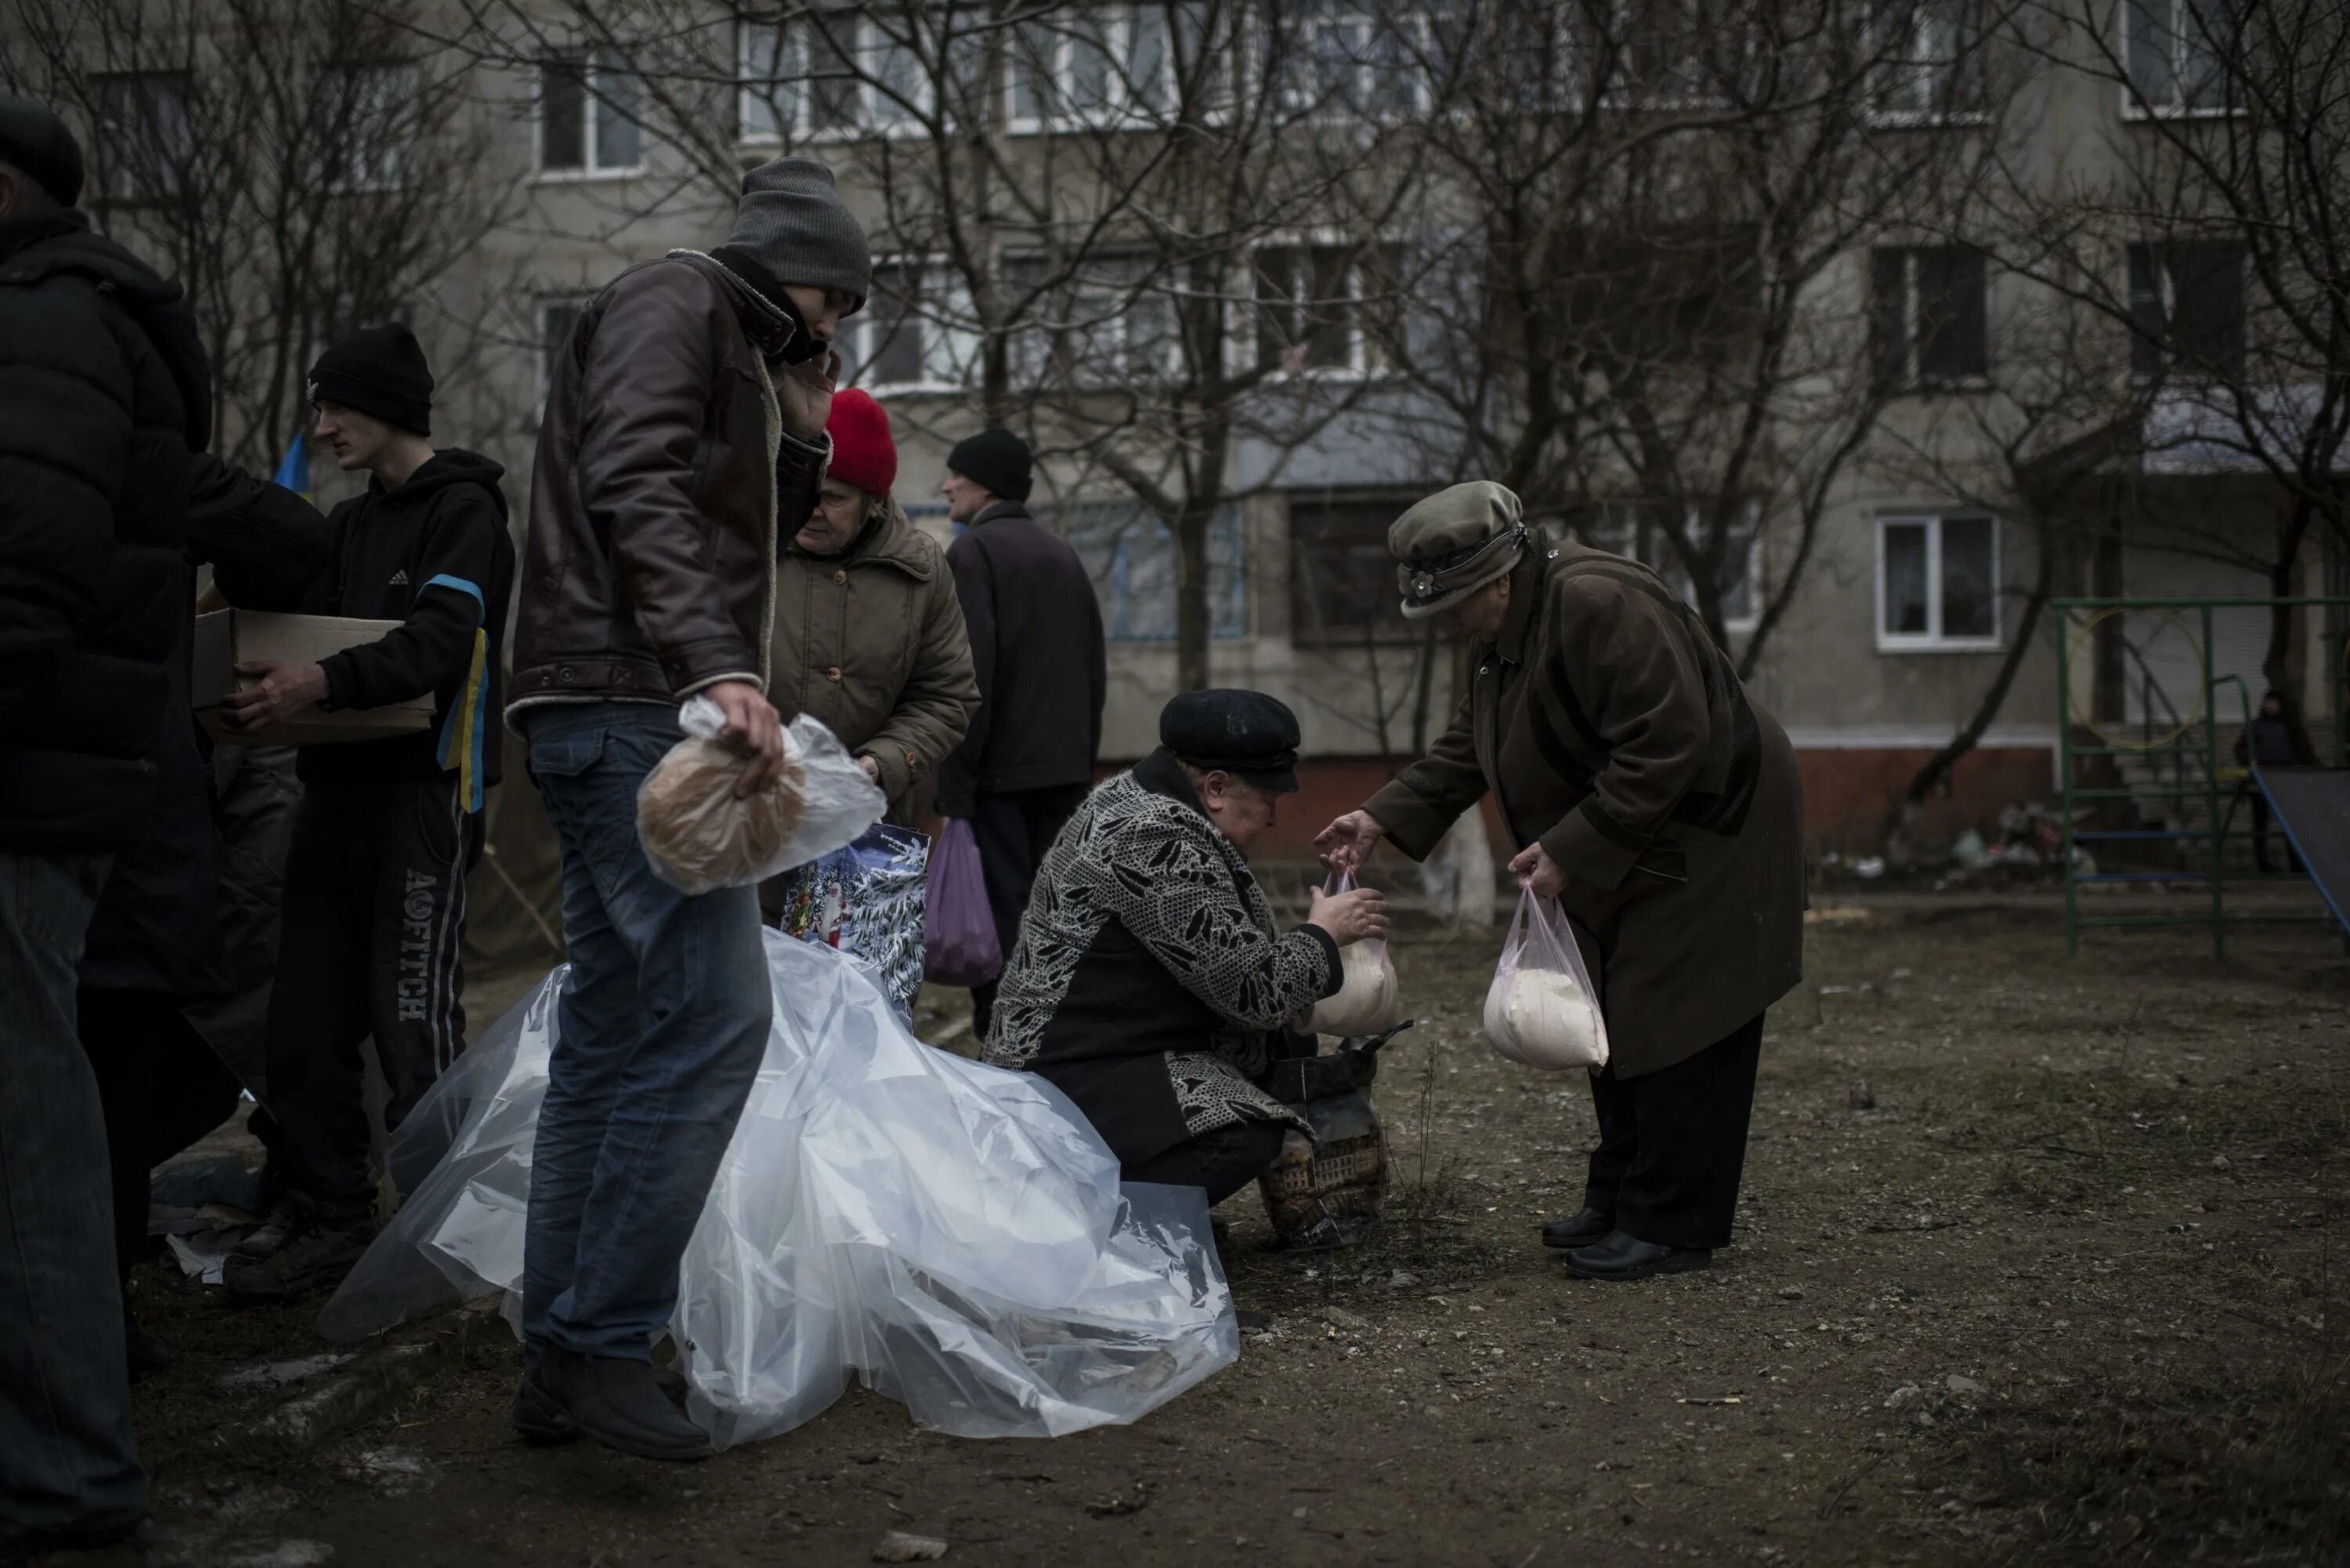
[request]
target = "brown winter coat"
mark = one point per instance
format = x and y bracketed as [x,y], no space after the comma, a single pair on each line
[1610,727]
[663,481]
[872,643]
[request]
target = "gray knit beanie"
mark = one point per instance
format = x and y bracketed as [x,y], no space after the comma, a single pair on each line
[794,221]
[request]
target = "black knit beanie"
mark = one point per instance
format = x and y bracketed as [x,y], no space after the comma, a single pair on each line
[377,370]
[995,461]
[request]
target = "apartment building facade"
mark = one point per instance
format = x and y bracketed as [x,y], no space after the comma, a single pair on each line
[1894,601]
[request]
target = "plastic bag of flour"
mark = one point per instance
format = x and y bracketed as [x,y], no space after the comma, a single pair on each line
[699,837]
[1365,1002]
[1542,1009]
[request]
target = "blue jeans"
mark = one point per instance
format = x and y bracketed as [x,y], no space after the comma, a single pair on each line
[67,1461]
[662,1027]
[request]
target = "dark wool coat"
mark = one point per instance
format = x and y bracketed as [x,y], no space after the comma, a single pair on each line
[1036,646]
[1609,726]
[1148,976]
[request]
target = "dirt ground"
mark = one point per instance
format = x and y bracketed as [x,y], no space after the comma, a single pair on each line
[2035,1266]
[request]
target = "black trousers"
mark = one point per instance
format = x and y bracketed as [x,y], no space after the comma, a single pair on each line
[2261,837]
[372,944]
[1672,1143]
[1013,829]
[1222,1161]
[161,1088]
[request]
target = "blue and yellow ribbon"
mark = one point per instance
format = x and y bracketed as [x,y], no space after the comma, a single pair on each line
[462,730]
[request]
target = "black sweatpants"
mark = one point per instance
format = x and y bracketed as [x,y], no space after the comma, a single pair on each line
[1013,829]
[373,927]
[1222,1161]
[162,1087]
[1672,1143]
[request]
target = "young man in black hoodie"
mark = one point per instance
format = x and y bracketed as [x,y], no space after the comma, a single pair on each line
[375,880]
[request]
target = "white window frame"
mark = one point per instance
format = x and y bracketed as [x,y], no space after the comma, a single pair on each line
[391,161]
[2136,105]
[115,141]
[592,110]
[1668,564]
[1933,640]
[1117,19]
[1358,366]
[1929,75]
[1367,16]
[868,42]
[867,322]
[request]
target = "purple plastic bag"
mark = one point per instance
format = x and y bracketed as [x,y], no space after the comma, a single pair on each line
[959,945]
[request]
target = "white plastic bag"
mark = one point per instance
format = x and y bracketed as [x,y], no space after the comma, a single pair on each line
[699,837]
[954,1234]
[1365,1002]
[1542,1009]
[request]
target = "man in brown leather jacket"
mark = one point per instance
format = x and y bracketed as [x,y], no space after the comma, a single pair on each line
[684,434]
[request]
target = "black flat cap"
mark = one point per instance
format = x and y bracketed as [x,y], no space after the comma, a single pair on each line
[1243,732]
[37,141]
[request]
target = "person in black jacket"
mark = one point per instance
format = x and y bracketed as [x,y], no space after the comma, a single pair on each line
[104,392]
[375,879]
[1027,761]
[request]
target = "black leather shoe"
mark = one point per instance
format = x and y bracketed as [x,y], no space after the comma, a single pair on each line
[1586,1228]
[537,1415]
[620,1403]
[1621,1257]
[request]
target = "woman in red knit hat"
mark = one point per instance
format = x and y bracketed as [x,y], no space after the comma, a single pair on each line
[868,633]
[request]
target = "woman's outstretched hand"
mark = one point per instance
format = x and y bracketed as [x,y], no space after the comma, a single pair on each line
[1347,843]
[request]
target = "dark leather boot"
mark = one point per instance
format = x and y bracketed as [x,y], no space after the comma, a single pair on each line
[620,1403]
[1586,1228]
[1621,1257]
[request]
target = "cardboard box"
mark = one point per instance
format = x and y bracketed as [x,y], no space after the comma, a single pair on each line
[226,638]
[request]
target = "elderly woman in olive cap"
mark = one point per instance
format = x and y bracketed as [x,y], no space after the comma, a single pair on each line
[1645,791]
[1150,984]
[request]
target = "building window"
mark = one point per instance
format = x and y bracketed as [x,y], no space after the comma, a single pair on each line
[364,127]
[1929,315]
[1686,54]
[1335,57]
[2187,309]
[556,320]
[2177,54]
[1937,583]
[1323,308]
[1096,66]
[1342,581]
[915,331]
[834,75]
[589,115]
[1930,60]
[1639,531]
[1131,554]
[146,136]
[1115,324]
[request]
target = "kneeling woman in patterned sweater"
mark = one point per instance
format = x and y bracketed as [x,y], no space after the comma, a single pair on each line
[1148,984]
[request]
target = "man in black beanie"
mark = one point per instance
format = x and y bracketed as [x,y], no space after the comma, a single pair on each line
[1044,672]
[375,878]
[683,448]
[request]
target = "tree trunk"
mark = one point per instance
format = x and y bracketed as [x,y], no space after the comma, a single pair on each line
[1192,626]
[2277,667]
[1938,768]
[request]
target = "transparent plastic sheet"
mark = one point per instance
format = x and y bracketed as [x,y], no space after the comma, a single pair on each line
[954,1234]
[1542,1009]
[699,837]
[867,901]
